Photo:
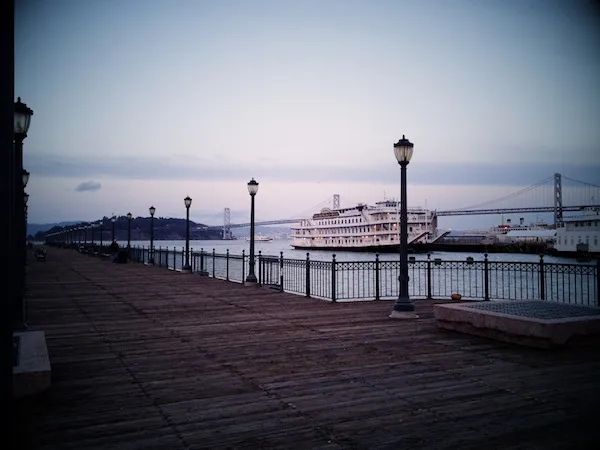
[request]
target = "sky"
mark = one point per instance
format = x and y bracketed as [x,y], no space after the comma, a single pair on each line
[143,102]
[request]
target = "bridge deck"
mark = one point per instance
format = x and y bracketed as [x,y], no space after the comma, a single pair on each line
[146,358]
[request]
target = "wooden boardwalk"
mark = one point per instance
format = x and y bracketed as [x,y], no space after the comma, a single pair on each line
[147,358]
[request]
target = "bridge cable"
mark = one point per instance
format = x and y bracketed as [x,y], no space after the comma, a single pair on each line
[581,182]
[508,196]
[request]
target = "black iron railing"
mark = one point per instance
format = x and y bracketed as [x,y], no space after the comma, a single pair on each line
[378,280]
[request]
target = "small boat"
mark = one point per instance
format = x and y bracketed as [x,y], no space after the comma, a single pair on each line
[261,238]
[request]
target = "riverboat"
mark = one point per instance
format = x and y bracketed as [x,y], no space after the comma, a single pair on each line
[364,228]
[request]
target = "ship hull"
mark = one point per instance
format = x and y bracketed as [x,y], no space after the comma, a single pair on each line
[365,249]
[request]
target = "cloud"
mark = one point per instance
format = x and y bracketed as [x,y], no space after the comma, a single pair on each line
[88,186]
[426,173]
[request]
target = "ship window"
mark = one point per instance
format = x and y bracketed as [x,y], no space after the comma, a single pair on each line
[595,240]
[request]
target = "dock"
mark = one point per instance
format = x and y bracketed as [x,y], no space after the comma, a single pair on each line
[148,358]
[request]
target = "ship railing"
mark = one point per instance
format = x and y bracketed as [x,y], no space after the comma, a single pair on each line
[430,278]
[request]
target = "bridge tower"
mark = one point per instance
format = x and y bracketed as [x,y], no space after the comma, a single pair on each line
[558,211]
[336,201]
[227,224]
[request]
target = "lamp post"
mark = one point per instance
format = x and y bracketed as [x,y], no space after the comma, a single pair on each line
[22,120]
[113,220]
[403,307]
[188,202]
[152,210]
[129,216]
[25,200]
[252,190]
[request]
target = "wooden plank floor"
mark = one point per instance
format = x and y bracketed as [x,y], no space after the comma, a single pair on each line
[147,358]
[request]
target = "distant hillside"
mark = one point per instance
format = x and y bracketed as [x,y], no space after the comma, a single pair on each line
[164,228]
[35,228]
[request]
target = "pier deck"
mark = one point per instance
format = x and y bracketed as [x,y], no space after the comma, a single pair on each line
[147,358]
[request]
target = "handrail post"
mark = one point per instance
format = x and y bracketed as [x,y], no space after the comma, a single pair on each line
[598,282]
[486,278]
[260,268]
[227,265]
[429,297]
[542,279]
[243,264]
[281,271]
[377,293]
[307,275]
[202,261]
[333,280]
[213,263]
[182,257]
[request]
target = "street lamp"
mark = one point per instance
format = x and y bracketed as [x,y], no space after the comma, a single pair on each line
[252,190]
[403,307]
[129,216]
[22,119]
[113,220]
[152,210]
[188,202]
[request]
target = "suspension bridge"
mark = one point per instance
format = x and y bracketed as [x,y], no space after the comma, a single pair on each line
[555,194]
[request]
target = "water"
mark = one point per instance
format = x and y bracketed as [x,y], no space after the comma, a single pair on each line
[357,275]
[276,246]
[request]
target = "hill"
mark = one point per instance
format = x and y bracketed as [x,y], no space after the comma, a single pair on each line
[164,229]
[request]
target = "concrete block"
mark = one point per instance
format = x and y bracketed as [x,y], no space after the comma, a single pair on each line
[31,369]
[529,322]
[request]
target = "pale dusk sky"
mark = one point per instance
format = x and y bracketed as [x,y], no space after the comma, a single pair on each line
[142,102]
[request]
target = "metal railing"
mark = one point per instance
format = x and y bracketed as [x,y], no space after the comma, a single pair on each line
[378,280]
